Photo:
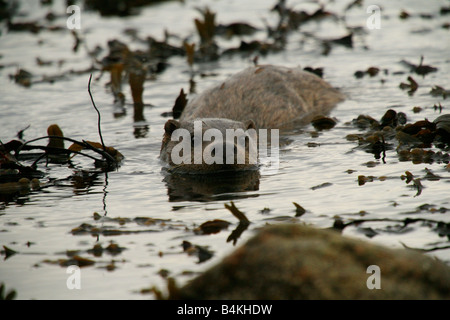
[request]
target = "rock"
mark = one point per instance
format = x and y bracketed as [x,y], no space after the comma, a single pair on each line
[290,261]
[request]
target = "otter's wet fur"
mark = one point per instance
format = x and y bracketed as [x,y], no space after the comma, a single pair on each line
[260,97]
[272,96]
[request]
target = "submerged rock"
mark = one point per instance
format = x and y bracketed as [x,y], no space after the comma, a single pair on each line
[290,261]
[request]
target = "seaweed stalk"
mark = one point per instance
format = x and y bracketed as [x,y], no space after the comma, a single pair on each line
[98,112]
[84,144]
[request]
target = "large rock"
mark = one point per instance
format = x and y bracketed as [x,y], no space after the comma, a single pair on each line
[291,261]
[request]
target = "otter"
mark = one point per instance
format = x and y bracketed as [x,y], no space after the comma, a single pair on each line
[273,97]
[259,97]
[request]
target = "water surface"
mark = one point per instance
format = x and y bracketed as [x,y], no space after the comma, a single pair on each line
[318,170]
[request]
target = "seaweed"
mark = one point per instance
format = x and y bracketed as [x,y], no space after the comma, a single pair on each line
[299,210]
[119,8]
[412,86]
[408,139]
[10,295]
[243,222]
[212,226]
[17,178]
[420,69]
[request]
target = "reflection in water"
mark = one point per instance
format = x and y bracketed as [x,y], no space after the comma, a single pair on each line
[119,109]
[140,130]
[105,192]
[309,160]
[82,181]
[236,233]
[205,187]
[14,193]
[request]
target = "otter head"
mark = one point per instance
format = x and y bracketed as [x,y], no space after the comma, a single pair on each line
[209,145]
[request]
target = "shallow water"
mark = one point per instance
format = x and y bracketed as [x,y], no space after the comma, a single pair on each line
[319,171]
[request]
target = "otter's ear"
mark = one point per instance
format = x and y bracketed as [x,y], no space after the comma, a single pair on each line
[171,126]
[249,124]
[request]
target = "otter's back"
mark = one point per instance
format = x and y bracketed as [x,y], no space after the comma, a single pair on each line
[271,96]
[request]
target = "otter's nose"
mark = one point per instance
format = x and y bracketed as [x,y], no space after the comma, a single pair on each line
[230,153]
[224,153]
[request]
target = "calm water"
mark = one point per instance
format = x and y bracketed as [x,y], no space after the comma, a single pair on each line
[318,171]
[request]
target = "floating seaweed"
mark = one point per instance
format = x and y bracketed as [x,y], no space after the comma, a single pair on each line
[412,86]
[371,71]
[409,139]
[212,226]
[322,185]
[112,249]
[201,252]
[8,252]
[119,8]
[299,210]
[323,123]
[17,178]
[420,69]
[10,295]
[243,222]
[74,260]
[206,29]
[235,29]
[437,91]
[180,104]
